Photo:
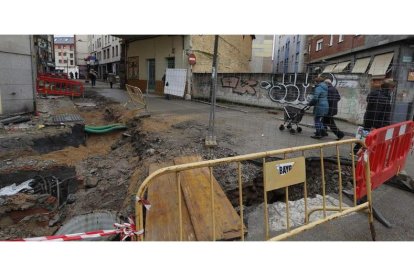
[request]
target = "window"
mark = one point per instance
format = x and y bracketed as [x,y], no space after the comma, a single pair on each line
[341,38]
[113,38]
[331,40]
[113,51]
[65,61]
[107,53]
[170,62]
[71,62]
[60,53]
[319,44]
[64,54]
[116,50]
[61,61]
[71,55]
[104,57]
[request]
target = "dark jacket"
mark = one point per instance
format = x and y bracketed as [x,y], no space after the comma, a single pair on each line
[378,110]
[333,99]
[320,100]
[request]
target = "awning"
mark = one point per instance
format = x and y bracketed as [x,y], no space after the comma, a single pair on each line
[340,67]
[361,65]
[380,64]
[329,68]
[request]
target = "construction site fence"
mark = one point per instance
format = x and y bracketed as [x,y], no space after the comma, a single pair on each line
[296,89]
[297,172]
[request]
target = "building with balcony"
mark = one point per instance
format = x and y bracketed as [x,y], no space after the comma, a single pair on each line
[65,55]
[45,53]
[106,50]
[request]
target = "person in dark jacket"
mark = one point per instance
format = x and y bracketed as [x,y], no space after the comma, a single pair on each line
[321,106]
[328,120]
[378,110]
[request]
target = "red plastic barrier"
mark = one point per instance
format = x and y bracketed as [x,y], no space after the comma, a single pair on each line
[54,75]
[387,149]
[58,86]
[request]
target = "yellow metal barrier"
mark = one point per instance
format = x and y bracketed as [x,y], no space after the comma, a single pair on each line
[272,182]
[136,97]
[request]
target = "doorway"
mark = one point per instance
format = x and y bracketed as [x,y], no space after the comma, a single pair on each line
[151,75]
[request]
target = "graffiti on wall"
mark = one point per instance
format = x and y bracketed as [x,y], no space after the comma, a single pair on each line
[240,86]
[292,89]
[286,91]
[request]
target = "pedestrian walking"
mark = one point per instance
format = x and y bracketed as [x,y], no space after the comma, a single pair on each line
[76,75]
[321,106]
[328,120]
[167,96]
[111,79]
[93,76]
[71,75]
[378,111]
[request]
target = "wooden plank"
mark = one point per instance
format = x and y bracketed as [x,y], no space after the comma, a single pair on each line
[197,197]
[196,189]
[228,216]
[162,221]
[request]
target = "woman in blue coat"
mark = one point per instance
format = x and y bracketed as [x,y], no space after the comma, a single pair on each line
[321,105]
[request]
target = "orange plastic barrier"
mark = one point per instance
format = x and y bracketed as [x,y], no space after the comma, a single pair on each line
[387,149]
[47,85]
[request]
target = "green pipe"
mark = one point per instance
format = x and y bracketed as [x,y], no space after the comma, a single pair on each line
[104,130]
[103,127]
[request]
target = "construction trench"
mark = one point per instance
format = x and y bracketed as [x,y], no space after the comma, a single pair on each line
[78,177]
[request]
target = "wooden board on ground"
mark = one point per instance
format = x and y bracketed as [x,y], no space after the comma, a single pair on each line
[196,189]
[162,221]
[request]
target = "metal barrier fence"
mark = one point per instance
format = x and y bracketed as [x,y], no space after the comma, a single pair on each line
[136,97]
[288,172]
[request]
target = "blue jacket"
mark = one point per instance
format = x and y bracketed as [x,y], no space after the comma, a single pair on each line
[320,100]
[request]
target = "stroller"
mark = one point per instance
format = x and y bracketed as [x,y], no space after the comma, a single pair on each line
[293,116]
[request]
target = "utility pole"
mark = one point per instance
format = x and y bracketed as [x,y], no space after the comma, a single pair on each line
[211,138]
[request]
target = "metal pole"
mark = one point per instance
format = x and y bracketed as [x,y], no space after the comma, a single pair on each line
[211,139]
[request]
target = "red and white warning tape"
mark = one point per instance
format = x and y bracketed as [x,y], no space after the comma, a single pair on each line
[144,202]
[125,230]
